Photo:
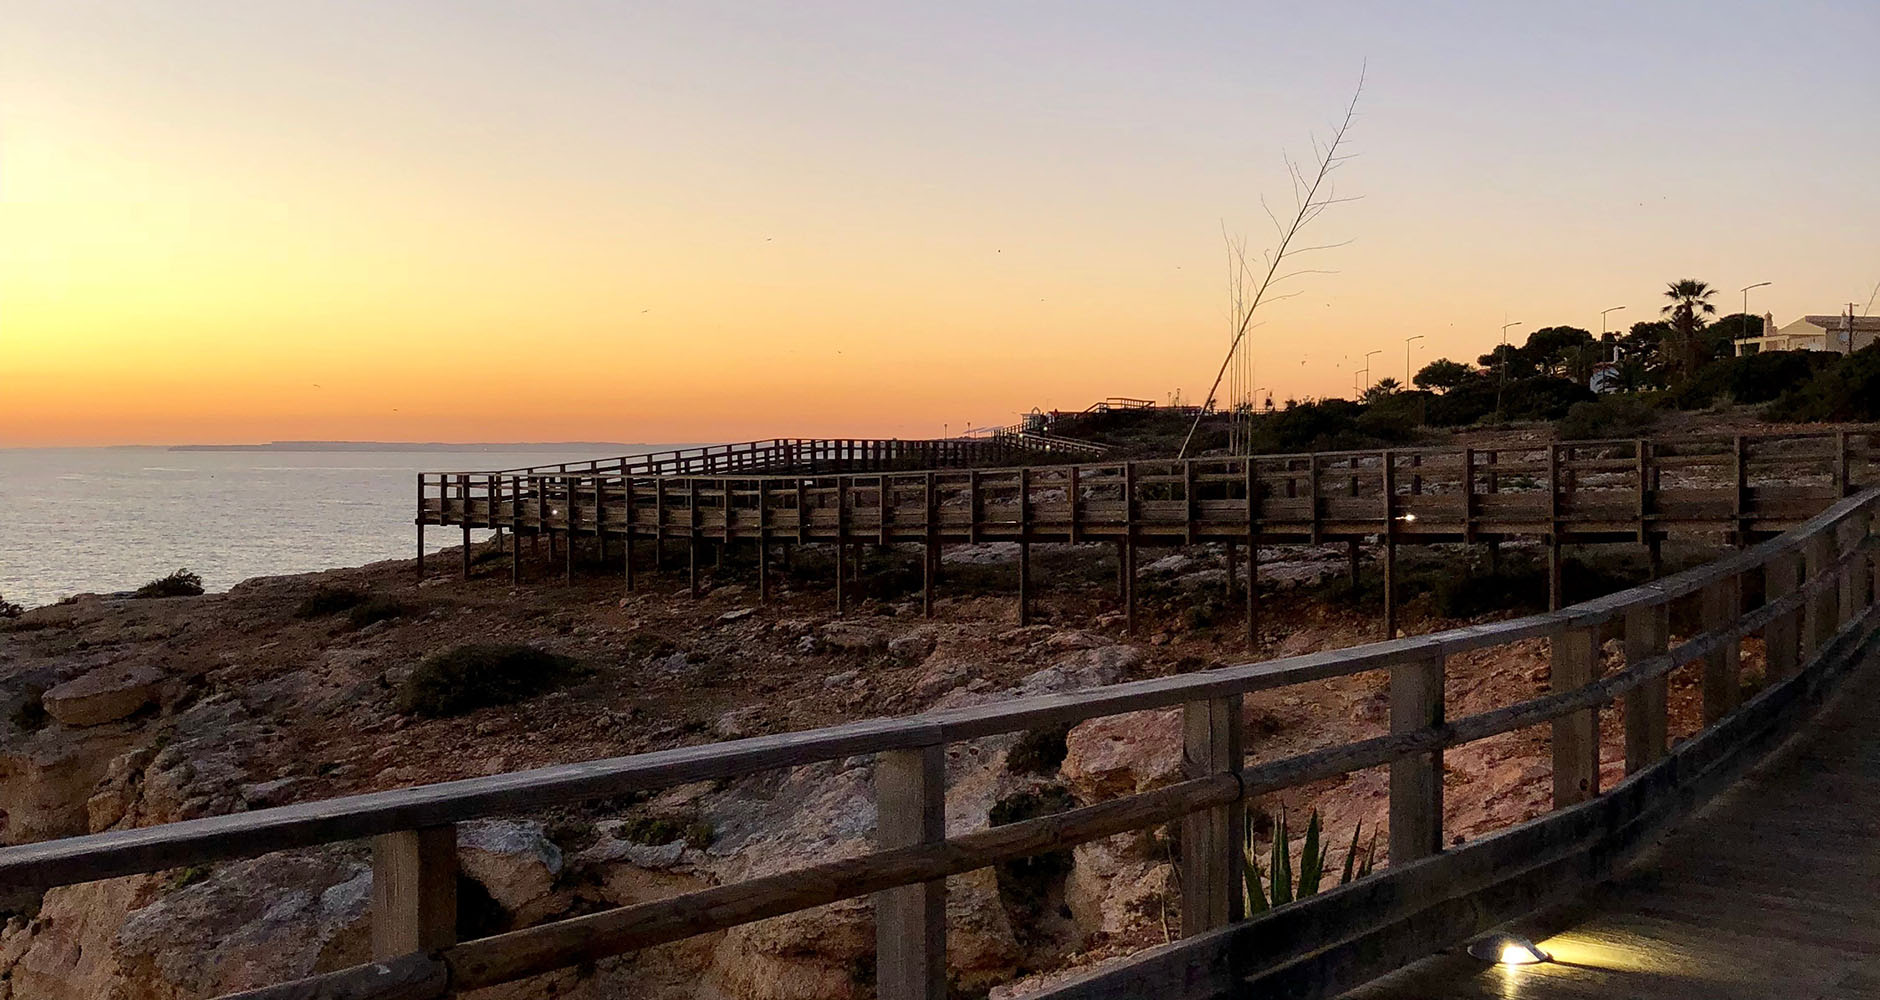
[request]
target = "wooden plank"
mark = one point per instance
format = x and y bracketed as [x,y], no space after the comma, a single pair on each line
[1416,783]
[910,920]
[1212,839]
[414,891]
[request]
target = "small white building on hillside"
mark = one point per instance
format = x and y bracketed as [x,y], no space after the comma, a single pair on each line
[1842,334]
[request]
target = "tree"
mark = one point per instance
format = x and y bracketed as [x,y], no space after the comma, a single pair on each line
[1560,350]
[1385,387]
[1443,375]
[1737,326]
[1507,360]
[1690,303]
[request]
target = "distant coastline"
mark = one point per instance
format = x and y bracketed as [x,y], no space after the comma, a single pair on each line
[423,446]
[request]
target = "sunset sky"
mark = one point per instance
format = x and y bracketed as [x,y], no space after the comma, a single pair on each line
[483,221]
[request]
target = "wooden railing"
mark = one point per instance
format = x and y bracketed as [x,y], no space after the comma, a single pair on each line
[1603,491]
[779,455]
[1816,617]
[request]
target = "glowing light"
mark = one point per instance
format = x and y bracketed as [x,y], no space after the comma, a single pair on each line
[1408,518]
[1507,949]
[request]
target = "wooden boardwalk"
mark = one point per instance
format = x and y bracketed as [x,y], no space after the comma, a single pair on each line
[1773,891]
[775,494]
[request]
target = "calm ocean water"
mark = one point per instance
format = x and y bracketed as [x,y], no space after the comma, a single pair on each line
[110,519]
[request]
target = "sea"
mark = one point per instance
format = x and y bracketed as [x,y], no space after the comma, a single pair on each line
[105,520]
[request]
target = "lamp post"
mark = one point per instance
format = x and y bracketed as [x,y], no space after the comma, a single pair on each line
[1499,389]
[1602,330]
[1259,395]
[1746,289]
[1407,341]
[1367,366]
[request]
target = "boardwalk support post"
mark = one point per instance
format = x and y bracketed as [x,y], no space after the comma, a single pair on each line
[1645,705]
[1390,544]
[1212,838]
[910,921]
[1024,547]
[414,891]
[1416,783]
[420,527]
[1575,664]
[463,516]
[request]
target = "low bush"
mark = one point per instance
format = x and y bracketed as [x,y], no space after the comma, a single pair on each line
[329,600]
[181,583]
[1039,751]
[377,609]
[481,675]
[1614,416]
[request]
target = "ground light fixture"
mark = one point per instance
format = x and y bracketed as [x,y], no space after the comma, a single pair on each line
[1507,949]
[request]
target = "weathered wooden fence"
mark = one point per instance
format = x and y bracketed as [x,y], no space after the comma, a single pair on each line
[1816,617]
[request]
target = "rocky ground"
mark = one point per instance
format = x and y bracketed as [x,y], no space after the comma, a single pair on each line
[117,712]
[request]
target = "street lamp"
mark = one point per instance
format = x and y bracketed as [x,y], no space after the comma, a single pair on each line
[1602,330]
[1504,367]
[1746,289]
[1367,367]
[1407,341]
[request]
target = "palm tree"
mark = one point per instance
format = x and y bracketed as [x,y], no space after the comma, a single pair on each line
[1384,387]
[1690,303]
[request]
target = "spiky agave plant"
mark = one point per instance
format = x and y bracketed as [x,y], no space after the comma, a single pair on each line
[1281,886]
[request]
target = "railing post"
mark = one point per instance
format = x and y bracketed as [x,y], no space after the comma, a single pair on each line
[414,891]
[1722,606]
[1857,581]
[1645,705]
[1416,783]
[910,920]
[1821,619]
[1212,838]
[1575,664]
[1782,633]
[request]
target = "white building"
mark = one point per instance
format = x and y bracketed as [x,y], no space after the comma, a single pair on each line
[1842,334]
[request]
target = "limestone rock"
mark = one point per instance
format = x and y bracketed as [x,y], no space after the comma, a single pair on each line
[513,860]
[105,694]
[1123,754]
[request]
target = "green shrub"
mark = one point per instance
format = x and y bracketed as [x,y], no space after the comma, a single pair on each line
[377,609]
[181,583]
[480,675]
[1847,391]
[1614,416]
[329,600]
